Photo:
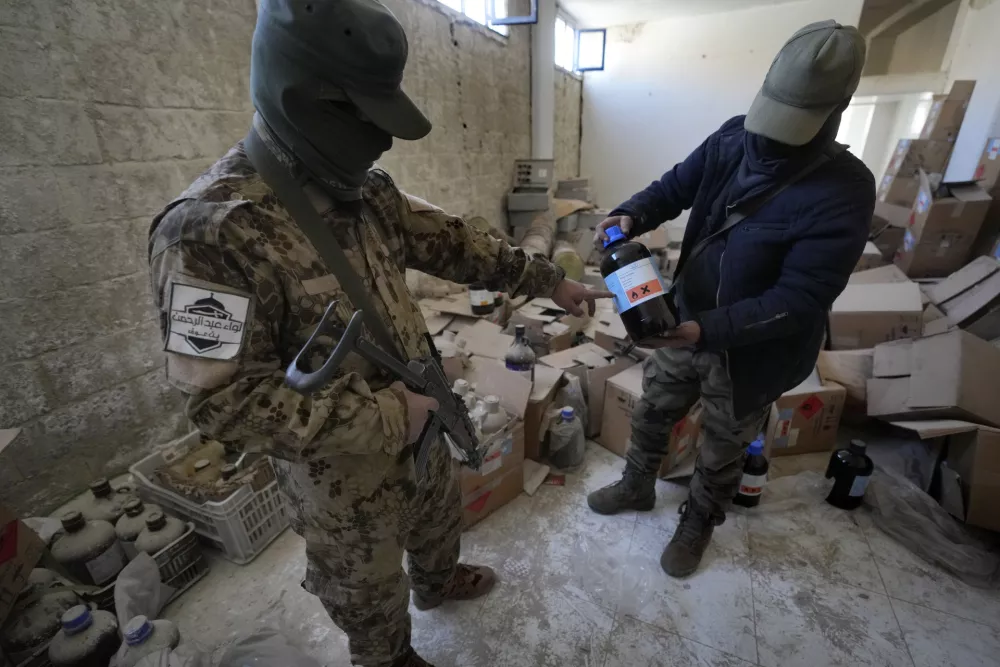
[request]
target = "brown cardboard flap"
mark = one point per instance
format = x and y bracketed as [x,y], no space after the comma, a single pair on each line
[491,377]
[888,397]
[485,339]
[629,380]
[889,273]
[546,304]
[589,354]
[879,297]
[546,379]
[849,368]
[437,322]
[890,214]
[936,371]
[892,359]
[969,291]
[965,278]
[456,304]
[935,428]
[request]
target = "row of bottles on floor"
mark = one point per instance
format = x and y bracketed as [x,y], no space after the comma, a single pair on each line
[49,612]
[850,468]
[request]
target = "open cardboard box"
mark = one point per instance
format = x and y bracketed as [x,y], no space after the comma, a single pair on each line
[948,375]
[548,327]
[491,496]
[889,224]
[621,397]
[866,314]
[805,418]
[871,258]
[970,297]
[593,365]
[969,483]
[20,547]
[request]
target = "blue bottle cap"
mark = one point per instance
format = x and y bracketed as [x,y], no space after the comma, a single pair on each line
[76,619]
[614,233]
[757,446]
[567,414]
[138,630]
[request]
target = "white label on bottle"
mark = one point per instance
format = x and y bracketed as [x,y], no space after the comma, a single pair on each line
[859,486]
[480,297]
[634,284]
[105,567]
[753,485]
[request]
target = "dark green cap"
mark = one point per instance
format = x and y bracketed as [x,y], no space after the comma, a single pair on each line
[351,48]
[816,71]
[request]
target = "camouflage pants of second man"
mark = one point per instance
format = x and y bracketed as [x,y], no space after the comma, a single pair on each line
[355,540]
[673,381]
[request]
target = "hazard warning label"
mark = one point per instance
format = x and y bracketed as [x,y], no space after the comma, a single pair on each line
[633,284]
[809,407]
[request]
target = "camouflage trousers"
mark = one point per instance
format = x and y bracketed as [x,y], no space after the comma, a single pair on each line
[355,562]
[673,381]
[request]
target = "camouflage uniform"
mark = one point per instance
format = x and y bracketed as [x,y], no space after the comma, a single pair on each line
[239,290]
[672,382]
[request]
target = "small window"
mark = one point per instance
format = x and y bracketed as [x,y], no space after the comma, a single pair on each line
[565,44]
[482,12]
[590,50]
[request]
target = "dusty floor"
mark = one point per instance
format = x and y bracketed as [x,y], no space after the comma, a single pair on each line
[813,588]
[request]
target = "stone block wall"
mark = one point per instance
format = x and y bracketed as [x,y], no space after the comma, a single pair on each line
[569,95]
[108,109]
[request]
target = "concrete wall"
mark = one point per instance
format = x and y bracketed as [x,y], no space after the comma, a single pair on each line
[975,57]
[107,110]
[476,89]
[669,84]
[922,47]
[569,96]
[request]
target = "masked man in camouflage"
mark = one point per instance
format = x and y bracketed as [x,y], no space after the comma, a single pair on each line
[240,290]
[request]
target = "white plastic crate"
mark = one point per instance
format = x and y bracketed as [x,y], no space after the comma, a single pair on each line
[240,526]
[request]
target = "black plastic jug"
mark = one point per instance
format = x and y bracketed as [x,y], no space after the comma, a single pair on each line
[631,274]
[851,469]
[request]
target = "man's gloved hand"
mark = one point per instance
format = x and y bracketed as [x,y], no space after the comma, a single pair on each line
[601,235]
[569,294]
[418,409]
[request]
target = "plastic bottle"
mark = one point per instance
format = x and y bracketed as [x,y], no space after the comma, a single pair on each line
[851,469]
[34,619]
[567,443]
[445,344]
[228,471]
[143,637]
[495,418]
[87,639]
[640,292]
[481,300]
[103,504]
[134,520]
[520,358]
[462,389]
[160,532]
[754,475]
[478,413]
[89,550]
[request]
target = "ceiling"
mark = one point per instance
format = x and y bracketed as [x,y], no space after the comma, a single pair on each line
[603,13]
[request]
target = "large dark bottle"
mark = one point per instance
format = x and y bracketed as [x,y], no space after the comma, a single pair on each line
[754,475]
[631,274]
[851,469]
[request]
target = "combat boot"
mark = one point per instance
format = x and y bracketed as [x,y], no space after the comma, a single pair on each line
[469,582]
[411,659]
[687,546]
[634,491]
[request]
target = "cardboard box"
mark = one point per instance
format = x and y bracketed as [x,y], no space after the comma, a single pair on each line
[913,155]
[947,112]
[483,501]
[548,327]
[949,375]
[503,454]
[20,547]
[543,392]
[898,189]
[621,397]
[656,239]
[851,369]
[867,314]
[871,258]
[805,418]
[969,486]
[888,226]
[988,169]
[890,273]
[593,365]
[970,297]
[942,230]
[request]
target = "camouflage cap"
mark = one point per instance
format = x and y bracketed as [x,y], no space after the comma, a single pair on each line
[353,48]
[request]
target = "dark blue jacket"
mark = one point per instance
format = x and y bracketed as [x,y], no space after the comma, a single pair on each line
[761,292]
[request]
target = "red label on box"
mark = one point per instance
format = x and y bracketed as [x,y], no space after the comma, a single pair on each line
[810,407]
[479,503]
[8,542]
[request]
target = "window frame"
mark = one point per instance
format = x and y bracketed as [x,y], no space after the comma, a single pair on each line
[604,49]
[499,28]
[569,22]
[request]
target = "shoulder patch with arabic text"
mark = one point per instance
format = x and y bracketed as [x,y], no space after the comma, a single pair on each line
[206,323]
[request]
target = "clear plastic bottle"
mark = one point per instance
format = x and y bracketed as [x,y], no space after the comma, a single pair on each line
[481,300]
[134,520]
[87,639]
[103,504]
[567,442]
[143,637]
[160,532]
[34,620]
[495,418]
[520,358]
[89,550]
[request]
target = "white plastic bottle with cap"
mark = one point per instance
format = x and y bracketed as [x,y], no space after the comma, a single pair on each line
[143,637]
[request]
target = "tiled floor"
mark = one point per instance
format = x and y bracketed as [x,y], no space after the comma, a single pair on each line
[811,587]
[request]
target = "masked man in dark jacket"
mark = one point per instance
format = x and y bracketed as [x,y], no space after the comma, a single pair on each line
[753,301]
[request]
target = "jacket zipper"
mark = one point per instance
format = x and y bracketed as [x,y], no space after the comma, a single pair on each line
[718,291]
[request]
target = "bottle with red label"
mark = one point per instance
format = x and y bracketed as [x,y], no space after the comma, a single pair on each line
[754,475]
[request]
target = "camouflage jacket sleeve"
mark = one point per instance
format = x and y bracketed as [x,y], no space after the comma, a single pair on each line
[230,367]
[446,247]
